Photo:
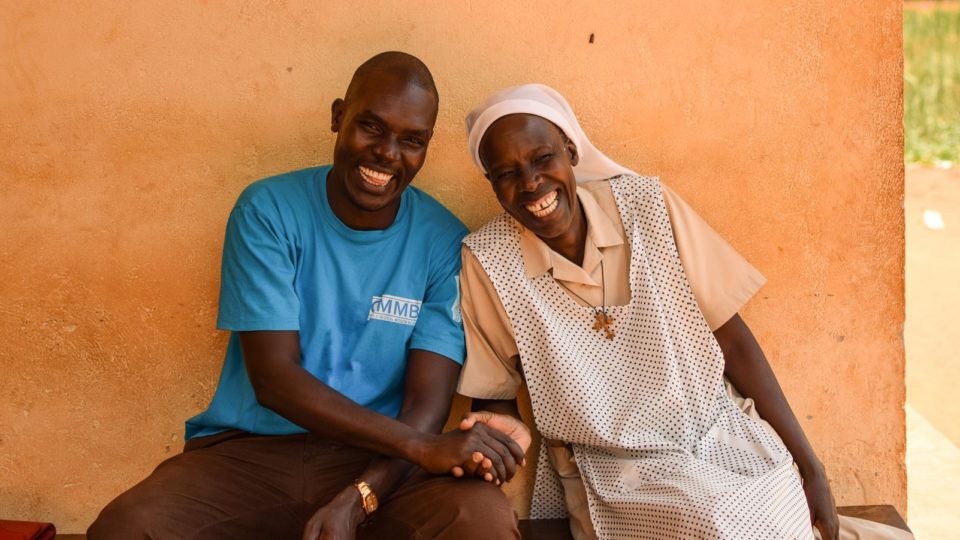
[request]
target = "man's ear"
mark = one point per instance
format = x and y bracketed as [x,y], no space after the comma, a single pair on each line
[336,115]
[572,152]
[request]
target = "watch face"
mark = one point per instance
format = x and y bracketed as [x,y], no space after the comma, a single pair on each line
[367,496]
[370,503]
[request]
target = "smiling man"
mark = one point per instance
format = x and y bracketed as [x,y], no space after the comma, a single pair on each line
[339,286]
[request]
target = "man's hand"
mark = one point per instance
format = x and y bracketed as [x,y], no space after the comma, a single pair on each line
[478,465]
[339,519]
[823,509]
[441,453]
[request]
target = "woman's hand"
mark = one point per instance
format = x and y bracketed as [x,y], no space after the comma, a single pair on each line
[478,465]
[477,444]
[823,509]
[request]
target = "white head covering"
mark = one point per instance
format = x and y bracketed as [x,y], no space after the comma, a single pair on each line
[545,102]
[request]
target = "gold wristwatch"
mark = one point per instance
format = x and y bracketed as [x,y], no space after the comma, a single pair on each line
[367,496]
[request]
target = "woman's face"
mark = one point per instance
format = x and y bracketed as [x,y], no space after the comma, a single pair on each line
[529,163]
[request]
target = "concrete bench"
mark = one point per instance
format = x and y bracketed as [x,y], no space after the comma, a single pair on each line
[559,529]
[521,488]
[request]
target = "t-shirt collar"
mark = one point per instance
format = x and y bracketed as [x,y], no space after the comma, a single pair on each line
[355,235]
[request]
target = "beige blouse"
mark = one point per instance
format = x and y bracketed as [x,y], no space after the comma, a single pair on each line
[722,281]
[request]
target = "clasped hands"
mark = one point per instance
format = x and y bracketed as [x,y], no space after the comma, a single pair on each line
[481,465]
[488,445]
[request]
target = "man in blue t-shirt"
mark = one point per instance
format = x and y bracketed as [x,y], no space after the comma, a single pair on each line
[339,286]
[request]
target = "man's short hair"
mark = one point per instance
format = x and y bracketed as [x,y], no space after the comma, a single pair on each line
[399,65]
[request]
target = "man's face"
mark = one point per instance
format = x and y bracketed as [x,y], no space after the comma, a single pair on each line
[530,165]
[383,130]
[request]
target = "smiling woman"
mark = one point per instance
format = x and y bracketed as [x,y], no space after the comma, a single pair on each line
[645,433]
[529,162]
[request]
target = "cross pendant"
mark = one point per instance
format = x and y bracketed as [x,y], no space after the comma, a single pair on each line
[604,322]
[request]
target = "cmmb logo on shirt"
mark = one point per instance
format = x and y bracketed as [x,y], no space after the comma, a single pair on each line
[394,309]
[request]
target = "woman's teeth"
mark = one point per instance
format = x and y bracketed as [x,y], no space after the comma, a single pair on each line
[543,206]
[376,178]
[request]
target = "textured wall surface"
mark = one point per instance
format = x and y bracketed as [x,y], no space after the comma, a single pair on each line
[127,129]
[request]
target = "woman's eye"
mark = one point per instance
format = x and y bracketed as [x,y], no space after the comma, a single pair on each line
[503,175]
[544,159]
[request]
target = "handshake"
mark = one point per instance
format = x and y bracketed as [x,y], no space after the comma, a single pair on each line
[487,445]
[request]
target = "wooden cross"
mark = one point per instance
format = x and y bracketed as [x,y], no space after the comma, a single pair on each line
[604,322]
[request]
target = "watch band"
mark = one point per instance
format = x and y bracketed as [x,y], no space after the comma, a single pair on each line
[367,496]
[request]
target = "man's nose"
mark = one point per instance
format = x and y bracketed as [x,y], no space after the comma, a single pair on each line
[388,148]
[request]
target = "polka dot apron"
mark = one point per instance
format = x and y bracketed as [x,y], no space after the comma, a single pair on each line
[662,450]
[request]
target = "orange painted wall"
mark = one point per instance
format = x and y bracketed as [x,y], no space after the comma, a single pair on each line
[127,129]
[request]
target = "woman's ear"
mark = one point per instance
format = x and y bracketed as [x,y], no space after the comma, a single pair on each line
[572,152]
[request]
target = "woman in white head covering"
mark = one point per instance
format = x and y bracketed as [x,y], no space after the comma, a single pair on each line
[639,398]
[545,102]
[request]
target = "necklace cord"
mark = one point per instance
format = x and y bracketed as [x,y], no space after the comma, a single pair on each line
[603,293]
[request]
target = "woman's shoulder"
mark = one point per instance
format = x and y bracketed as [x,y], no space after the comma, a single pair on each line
[495,234]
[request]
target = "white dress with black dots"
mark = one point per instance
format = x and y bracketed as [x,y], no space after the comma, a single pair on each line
[662,450]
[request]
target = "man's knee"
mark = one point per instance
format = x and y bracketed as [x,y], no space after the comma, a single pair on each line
[445,508]
[127,516]
[480,510]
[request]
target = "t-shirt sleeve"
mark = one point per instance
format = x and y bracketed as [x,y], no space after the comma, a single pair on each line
[256,275]
[439,327]
[722,281]
[491,370]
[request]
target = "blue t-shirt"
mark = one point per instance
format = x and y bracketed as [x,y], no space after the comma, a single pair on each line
[359,299]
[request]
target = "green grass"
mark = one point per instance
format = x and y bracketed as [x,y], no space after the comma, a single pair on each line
[931,73]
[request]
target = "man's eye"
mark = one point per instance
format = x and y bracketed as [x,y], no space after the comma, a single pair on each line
[370,127]
[416,142]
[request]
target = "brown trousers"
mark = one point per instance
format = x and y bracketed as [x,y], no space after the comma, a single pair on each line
[237,485]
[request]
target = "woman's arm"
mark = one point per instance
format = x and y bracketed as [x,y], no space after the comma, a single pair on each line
[748,370]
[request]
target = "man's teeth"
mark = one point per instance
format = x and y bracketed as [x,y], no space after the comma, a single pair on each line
[376,178]
[543,206]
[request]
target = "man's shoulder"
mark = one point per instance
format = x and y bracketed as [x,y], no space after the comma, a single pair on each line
[281,189]
[433,216]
